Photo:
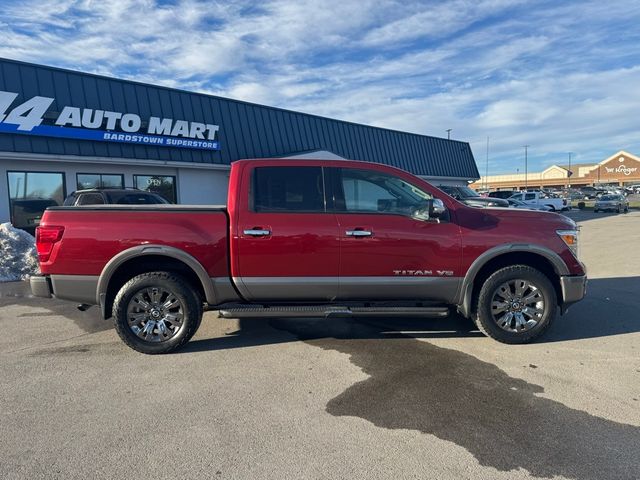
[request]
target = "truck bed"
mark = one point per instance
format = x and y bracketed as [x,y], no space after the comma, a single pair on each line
[99,234]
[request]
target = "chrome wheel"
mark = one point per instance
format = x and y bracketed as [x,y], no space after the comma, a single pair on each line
[517,305]
[155,314]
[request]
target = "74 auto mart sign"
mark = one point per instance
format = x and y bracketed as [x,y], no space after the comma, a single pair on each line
[103,125]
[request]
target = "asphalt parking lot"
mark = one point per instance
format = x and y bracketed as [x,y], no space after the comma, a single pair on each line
[288,399]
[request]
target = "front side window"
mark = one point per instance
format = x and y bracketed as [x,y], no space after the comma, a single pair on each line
[30,193]
[163,185]
[288,189]
[369,191]
[530,196]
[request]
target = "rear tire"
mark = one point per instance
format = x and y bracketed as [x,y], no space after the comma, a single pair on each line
[516,305]
[157,312]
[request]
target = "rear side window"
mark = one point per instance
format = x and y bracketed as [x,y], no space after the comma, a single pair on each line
[90,199]
[135,198]
[288,189]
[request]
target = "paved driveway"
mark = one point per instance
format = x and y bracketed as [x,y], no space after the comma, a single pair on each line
[292,399]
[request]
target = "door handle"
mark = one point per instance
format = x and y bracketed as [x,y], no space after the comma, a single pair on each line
[358,233]
[257,232]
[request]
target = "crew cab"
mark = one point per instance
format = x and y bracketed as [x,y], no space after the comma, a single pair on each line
[541,199]
[311,238]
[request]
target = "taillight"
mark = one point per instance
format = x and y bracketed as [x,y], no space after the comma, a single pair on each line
[46,238]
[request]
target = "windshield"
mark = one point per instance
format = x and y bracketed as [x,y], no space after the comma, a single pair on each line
[609,197]
[459,192]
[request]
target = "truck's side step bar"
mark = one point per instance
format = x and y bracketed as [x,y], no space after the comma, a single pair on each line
[331,311]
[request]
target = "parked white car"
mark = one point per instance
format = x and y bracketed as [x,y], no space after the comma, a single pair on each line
[540,199]
[519,204]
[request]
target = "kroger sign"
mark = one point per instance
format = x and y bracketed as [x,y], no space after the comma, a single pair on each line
[103,125]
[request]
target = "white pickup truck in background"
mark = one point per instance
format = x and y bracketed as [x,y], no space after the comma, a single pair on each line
[538,199]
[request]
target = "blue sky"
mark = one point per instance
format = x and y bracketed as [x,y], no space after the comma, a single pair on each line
[559,76]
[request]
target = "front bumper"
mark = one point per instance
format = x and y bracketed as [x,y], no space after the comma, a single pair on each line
[40,286]
[573,288]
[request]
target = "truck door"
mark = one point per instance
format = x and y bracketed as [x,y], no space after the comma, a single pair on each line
[389,250]
[287,242]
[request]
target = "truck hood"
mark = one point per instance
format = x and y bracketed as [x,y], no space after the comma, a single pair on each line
[484,217]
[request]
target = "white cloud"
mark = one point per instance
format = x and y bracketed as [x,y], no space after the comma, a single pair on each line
[561,77]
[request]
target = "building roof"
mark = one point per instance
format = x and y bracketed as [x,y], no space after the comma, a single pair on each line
[247,130]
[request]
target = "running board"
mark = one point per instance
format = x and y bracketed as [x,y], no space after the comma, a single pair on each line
[332,311]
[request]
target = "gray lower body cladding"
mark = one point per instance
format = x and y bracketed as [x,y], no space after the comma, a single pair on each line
[331,289]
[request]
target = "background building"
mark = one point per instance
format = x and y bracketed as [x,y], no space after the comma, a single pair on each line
[621,169]
[62,130]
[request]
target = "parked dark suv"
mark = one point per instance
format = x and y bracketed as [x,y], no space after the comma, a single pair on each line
[502,193]
[113,196]
[472,198]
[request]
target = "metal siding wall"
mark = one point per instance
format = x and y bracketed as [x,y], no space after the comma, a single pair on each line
[246,130]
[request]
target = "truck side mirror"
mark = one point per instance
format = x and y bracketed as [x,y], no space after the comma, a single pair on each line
[436,208]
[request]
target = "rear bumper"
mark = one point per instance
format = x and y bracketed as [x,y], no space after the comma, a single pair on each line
[77,288]
[573,288]
[40,286]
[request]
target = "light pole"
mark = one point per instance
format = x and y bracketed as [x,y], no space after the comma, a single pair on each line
[449,133]
[486,169]
[526,147]
[569,178]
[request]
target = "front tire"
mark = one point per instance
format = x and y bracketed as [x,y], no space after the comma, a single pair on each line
[157,312]
[516,305]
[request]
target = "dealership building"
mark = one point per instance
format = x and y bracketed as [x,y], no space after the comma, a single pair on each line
[62,130]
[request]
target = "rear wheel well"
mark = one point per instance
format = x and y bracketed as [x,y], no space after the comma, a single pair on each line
[144,264]
[532,260]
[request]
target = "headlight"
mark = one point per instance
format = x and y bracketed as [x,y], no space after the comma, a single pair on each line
[570,238]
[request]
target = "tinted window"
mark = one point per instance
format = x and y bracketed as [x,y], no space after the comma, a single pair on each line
[99,180]
[30,193]
[288,189]
[163,185]
[134,198]
[370,191]
[530,196]
[90,199]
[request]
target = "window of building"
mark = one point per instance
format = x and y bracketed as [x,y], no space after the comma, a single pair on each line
[163,185]
[374,192]
[30,193]
[99,180]
[288,189]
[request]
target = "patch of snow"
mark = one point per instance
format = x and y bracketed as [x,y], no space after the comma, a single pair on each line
[18,257]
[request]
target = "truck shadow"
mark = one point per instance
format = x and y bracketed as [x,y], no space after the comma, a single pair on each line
[610,308]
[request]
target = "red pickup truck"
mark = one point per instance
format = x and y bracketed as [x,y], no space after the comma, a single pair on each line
[311,238]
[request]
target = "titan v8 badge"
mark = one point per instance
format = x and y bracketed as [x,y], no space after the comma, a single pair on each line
[423,273]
